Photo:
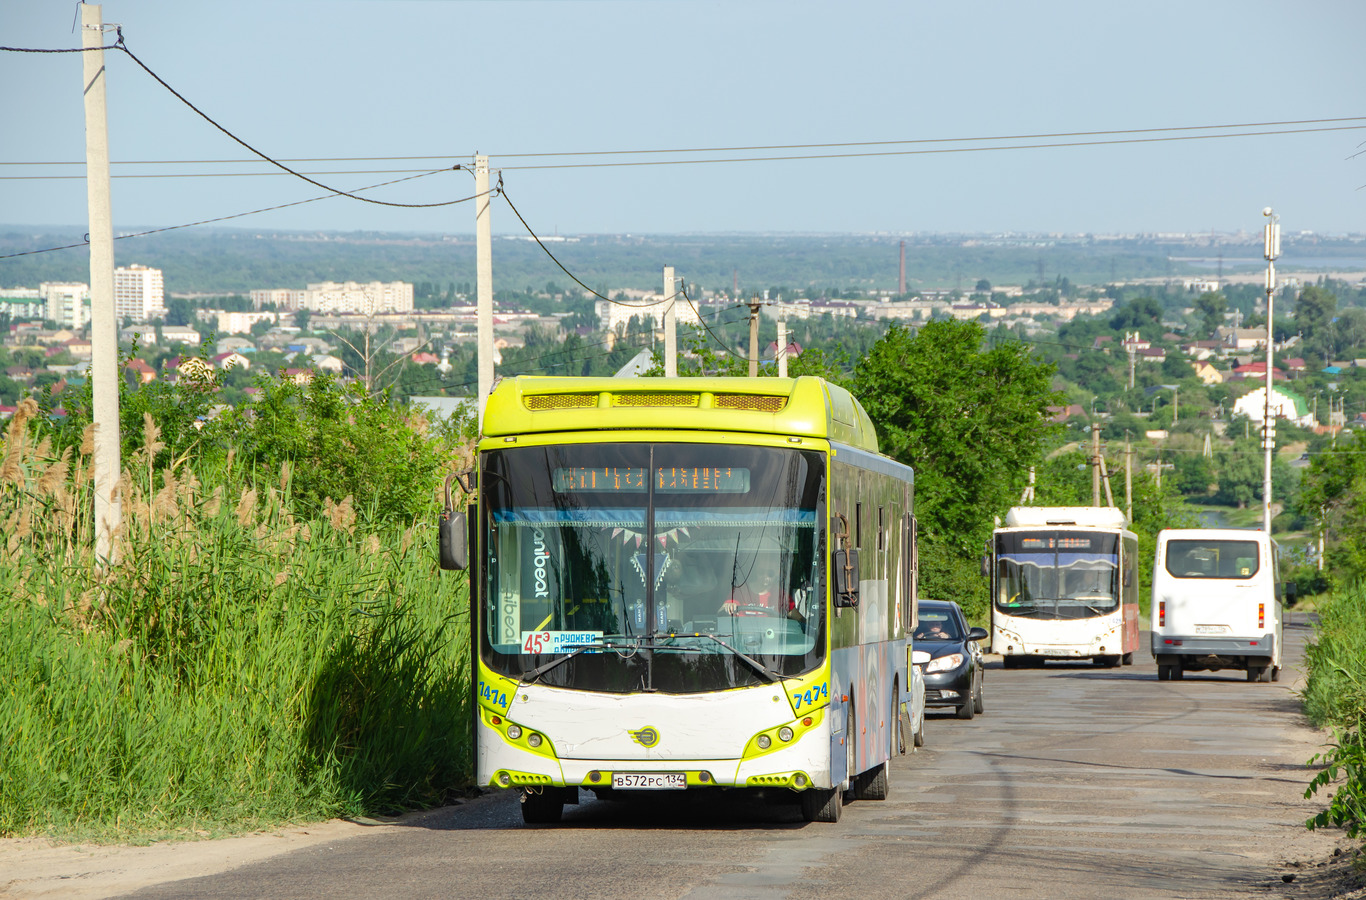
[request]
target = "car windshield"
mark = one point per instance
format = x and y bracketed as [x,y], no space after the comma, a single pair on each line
[937,626]
[1057,574]
[673,567]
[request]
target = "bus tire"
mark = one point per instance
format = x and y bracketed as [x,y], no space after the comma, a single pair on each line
[1128,659]
[1109,661]
[1164,673]
[822,805]
[873,784]
[543,807]
[1275,673]
[1178,673]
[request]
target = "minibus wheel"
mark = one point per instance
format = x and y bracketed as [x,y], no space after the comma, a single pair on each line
[1164,673]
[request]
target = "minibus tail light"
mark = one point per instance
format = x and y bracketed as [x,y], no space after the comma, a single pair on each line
[1161,613]
[1261,615]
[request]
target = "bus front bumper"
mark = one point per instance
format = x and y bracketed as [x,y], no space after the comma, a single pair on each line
[802,764]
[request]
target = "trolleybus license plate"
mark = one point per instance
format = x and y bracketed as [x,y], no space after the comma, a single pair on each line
[650,781]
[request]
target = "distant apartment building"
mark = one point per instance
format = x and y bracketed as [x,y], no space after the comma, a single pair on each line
[652,307]
[66,303]
[22,303]
[370,298]
[139,293]
[239,322]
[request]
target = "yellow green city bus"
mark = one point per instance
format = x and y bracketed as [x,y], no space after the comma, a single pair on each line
[686,584]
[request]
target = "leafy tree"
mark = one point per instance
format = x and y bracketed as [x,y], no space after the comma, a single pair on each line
[1137,314]
[179,311]
[1333,491]
[1314,311]
[971,421]
[1211,306]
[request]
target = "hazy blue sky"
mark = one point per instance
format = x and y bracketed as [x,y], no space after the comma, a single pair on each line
[447,78]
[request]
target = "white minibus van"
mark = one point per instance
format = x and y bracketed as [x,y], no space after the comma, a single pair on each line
[1216,603]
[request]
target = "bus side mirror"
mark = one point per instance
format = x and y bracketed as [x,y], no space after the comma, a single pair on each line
[986,565]
[1289,590]
[453,540]
[846,578]
[1129,575]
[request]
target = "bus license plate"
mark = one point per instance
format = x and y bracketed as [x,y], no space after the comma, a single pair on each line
[1209,629]
[650,781]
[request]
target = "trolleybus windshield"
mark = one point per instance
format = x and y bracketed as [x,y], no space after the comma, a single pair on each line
[672,567]
[1057,574]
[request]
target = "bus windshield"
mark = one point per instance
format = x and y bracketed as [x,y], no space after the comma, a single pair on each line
[1057,574]
[671,567]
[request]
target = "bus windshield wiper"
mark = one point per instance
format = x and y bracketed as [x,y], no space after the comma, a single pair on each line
[600,644]
[754,663]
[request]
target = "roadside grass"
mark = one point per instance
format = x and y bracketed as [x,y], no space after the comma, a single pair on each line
[1335,697]
[237,666]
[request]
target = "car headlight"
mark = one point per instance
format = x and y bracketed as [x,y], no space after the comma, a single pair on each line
[944,663]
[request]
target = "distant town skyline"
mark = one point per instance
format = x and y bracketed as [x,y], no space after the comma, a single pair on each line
[618,116]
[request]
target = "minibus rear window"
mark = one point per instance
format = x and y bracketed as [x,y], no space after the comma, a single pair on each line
[1213,559]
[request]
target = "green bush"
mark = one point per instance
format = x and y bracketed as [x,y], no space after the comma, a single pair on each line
[245,659]
[1335,696]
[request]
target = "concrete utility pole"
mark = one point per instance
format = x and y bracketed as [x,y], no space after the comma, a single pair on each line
[754,337]
[104,337]
[782,344]
[670,336]
[1095,464]
[1128,480]
[483,270]
[1271,250]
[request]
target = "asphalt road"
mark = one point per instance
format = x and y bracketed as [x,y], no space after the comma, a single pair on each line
[1077,782]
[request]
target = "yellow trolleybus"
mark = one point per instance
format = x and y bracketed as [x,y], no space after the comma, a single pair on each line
[686,584]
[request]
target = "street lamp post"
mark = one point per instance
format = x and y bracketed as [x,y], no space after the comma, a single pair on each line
[1271,249]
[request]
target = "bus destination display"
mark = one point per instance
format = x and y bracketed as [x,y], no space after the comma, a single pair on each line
[669,479]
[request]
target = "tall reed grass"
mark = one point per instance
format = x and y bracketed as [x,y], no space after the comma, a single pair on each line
[235,665]
[1335,696]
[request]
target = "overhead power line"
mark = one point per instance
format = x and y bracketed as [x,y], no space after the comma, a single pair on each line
[120,45]
[1037,136]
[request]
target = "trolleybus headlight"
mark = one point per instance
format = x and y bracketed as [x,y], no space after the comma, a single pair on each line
[534,739]
[764,741]
[784,733]
[514,731]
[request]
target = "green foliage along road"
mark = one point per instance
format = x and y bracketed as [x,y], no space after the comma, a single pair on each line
[259,651]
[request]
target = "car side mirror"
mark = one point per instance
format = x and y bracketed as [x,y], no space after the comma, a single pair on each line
[977,634]
[846,578]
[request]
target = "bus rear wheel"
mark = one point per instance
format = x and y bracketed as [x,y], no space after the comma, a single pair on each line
[1108,662]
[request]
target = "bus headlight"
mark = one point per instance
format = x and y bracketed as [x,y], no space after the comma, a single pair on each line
[764,742]
[514,731]
[784,734]
[533,740]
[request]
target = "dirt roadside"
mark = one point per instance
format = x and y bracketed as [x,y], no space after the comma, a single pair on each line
[40,868]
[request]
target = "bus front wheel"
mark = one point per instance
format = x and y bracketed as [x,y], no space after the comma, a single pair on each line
[544,807]
[822,805]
